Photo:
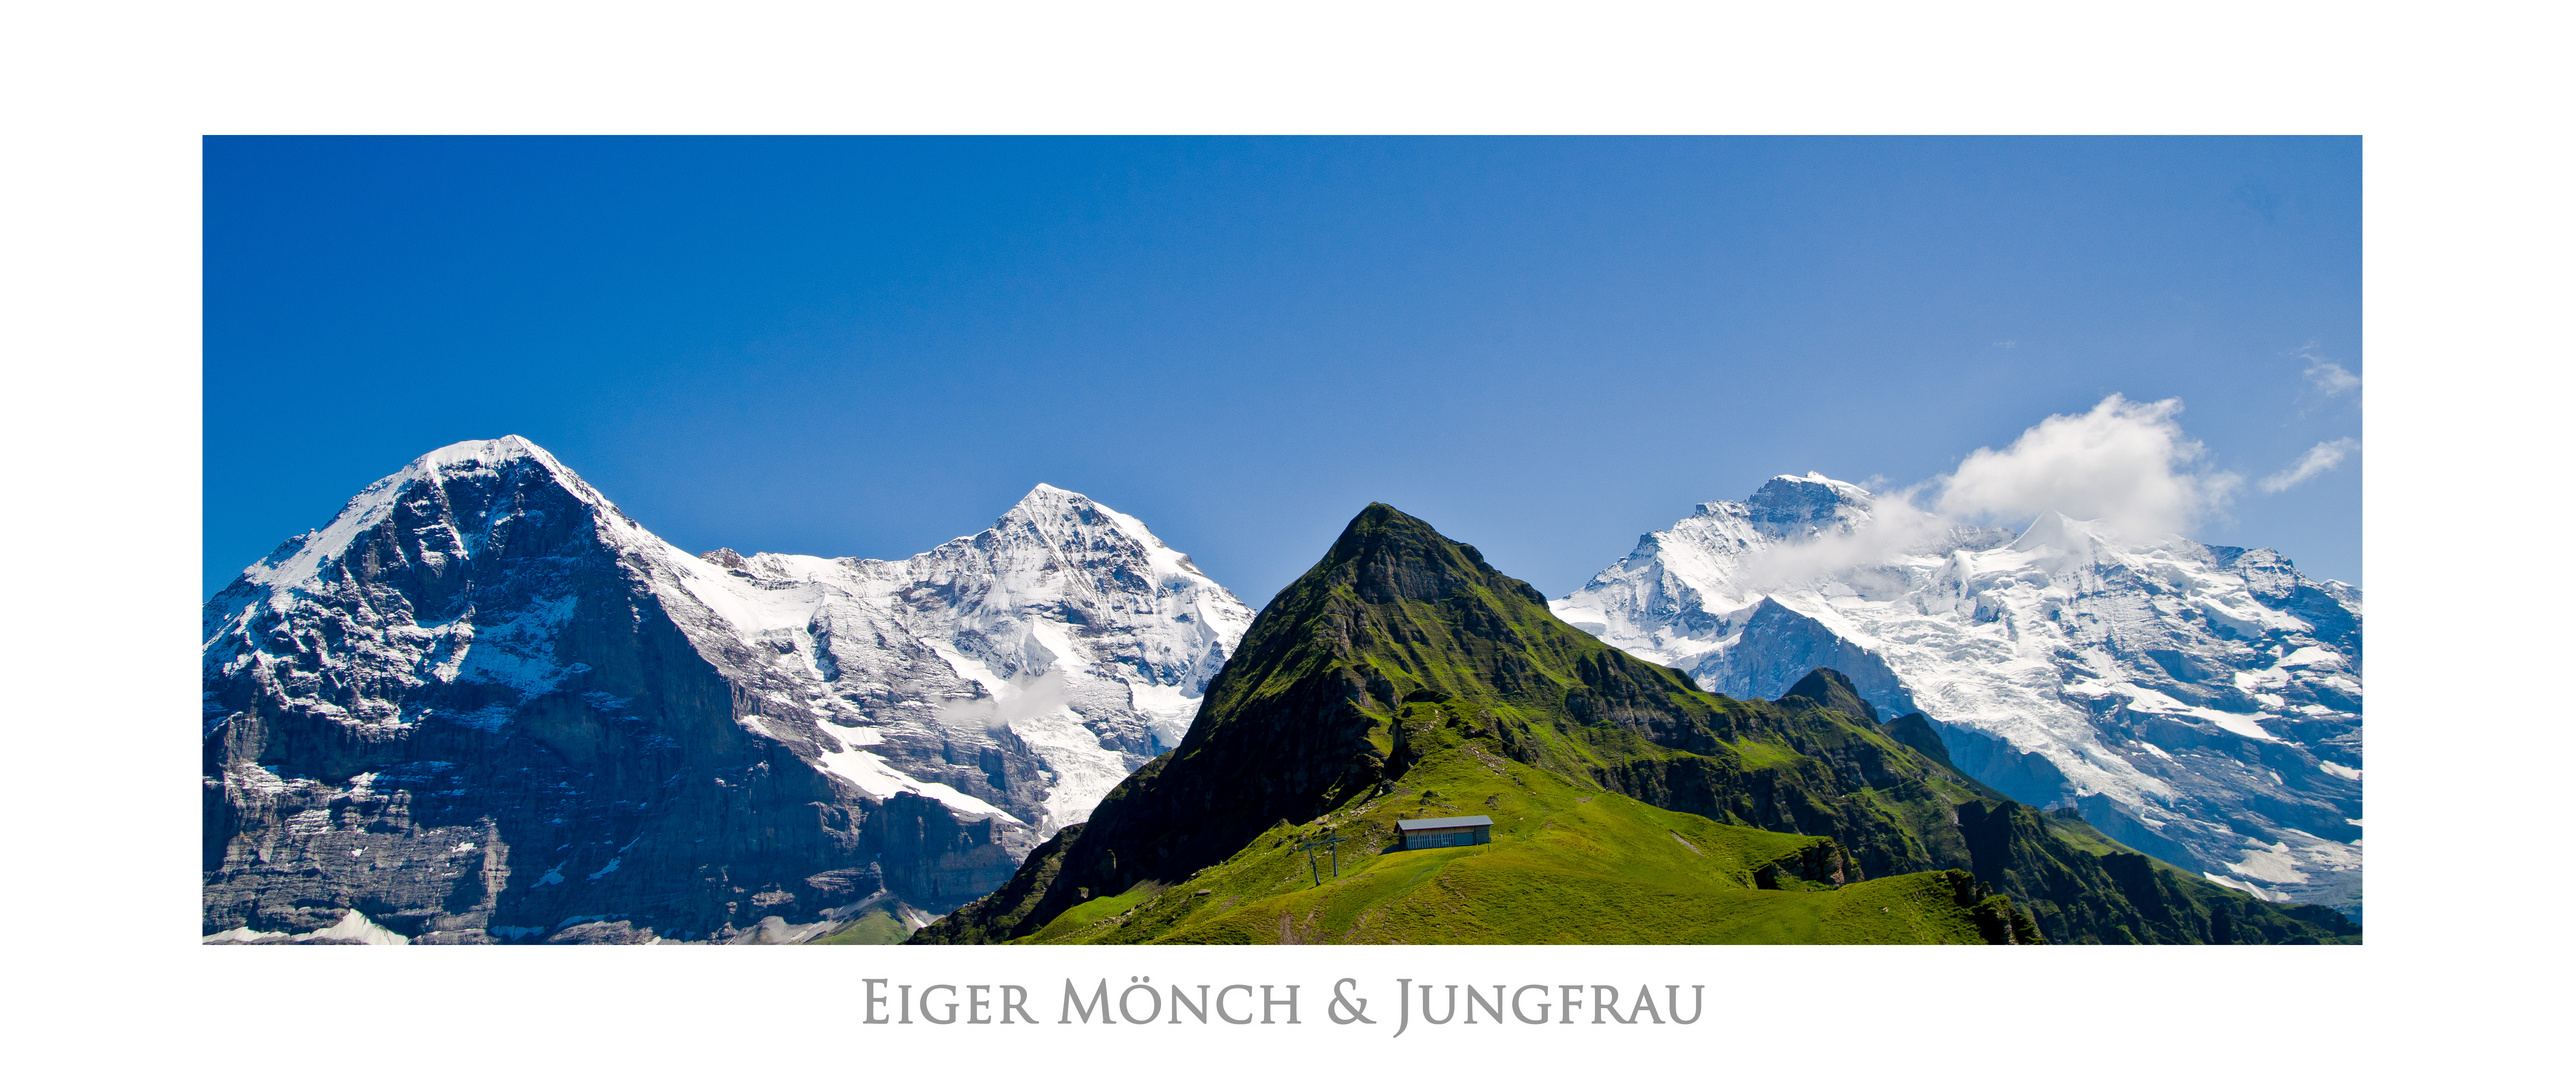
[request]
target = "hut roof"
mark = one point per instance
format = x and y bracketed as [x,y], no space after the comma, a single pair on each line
[1445,823]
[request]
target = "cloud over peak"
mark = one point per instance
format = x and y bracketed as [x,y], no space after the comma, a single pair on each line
[2127,463]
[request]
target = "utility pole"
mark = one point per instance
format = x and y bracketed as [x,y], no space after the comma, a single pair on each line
[1329,842]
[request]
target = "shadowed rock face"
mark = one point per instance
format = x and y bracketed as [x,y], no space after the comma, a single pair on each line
[474,721]
[484,705]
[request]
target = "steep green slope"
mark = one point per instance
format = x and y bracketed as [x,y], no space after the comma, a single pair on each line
[1567,865]
[1401,644]
[2094,891]
[2088,889]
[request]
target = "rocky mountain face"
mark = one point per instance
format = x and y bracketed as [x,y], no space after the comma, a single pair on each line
[1402,651]
[482,704]
[2200,704]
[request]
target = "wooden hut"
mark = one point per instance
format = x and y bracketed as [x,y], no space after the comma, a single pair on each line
[1445,832]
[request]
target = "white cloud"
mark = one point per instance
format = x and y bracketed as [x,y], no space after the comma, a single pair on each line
[2124,464]
[1020,698]
[2328,376]
[2128,464]
[2318,459]
[1896,526]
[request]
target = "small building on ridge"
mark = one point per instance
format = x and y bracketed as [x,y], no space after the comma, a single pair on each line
[1445,832]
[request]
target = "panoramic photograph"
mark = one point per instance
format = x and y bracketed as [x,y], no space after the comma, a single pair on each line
[1079,540]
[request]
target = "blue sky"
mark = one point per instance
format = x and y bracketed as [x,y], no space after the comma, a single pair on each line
[1546,347]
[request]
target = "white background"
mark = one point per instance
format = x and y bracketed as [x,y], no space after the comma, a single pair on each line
[106,105]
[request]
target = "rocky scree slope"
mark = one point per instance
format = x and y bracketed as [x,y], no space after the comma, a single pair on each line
[2200,704]
[482,704]
[1402,645]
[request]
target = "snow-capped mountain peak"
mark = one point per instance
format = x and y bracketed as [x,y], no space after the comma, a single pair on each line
[2148,681]
[483,619]
[1066,631]
[1794,506]
[1072,522]
[295,562]
[2058,539]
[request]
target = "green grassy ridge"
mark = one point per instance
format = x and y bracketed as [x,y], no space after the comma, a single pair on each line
[1567,865]
[1316,712]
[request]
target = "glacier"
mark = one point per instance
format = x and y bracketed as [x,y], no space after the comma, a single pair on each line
[2199,703]
[1067,628]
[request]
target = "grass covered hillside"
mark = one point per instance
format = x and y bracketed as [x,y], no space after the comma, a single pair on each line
[1568,865]
[1404,677]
